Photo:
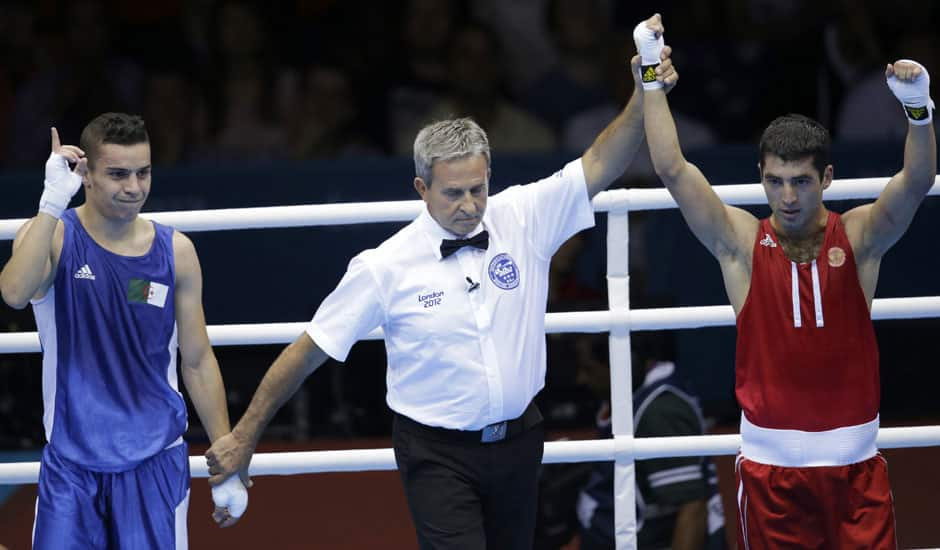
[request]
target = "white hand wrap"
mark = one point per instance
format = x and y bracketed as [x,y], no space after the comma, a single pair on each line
[914,95]
[231,494]
[650,47]
[60,186]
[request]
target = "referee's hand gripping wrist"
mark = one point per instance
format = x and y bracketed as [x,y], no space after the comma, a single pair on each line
[228,455]
[909,81]
[648,37]
[61,183]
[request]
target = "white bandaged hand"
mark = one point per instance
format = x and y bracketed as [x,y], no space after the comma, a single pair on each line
[650,47]
[914,95]
[61,184]
[232,495]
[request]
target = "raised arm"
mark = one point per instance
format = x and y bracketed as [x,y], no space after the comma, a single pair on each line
[232,453]
[29,271]
[724,230]
[880,224]
[614,148]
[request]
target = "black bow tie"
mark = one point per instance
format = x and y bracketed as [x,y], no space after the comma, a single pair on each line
[481,240]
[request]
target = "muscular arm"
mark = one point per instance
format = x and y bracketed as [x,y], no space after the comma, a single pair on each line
[28,273]
[874,228]
[689,533]
[723,229]
[726,231]
[879,225]
[298,361]
[614,148]
[232,453]
[199,367]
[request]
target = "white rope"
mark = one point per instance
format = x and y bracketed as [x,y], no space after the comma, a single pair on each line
[741,195]
[617,200]
[556,452]
[568,322]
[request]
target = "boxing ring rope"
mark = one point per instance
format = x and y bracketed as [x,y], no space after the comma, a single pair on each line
[619,321]
[556,452]
[588,322]
[309,215]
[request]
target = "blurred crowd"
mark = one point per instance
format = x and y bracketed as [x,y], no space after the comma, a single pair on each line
[223,80]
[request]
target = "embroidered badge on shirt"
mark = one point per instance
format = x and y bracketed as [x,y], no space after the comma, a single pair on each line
[836,256]
[147,292]
[503,272]
[768,241]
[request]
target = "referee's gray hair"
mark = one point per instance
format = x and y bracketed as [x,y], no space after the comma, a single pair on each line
[448,140]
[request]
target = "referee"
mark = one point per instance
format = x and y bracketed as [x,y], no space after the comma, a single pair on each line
[460,294]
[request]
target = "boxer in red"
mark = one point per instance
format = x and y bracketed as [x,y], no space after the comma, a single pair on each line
[801,283]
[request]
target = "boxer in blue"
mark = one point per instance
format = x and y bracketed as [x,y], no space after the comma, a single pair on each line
[114,296]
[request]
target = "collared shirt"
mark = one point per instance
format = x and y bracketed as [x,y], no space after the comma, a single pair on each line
[458,358]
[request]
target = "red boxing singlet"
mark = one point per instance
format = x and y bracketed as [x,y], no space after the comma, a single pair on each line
[806,357]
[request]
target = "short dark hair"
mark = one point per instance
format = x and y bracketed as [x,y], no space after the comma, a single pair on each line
[116,128]
[794,137]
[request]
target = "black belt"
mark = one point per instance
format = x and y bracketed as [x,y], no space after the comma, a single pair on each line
[491,433]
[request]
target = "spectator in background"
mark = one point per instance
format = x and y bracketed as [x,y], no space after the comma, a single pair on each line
[359,38]
[852,47]
[527,46]
[243,121]
[579,32]
[424,70]
[477,85]
[17,62]
[426,30]
[327,122]
[78,76]
[174,104]
[678,504]
[777,45]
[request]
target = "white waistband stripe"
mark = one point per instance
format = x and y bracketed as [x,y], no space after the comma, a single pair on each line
[796,448]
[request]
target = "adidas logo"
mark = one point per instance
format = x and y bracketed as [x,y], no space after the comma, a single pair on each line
[84,272]
[766,241]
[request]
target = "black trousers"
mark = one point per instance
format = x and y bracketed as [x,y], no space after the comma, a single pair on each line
[467,494]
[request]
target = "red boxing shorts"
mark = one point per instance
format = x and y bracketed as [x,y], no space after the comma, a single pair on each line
[831,507]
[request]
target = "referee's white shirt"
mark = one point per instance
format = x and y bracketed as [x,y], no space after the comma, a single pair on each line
[461,359]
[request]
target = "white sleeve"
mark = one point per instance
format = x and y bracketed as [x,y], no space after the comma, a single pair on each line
[350,312]
[555,208]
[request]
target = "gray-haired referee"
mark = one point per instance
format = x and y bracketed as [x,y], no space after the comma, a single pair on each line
[460,294]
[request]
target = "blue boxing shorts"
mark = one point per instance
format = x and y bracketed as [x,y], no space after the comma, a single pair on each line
[140,508]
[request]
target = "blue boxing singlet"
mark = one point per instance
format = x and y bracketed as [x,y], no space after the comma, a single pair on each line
[108,332]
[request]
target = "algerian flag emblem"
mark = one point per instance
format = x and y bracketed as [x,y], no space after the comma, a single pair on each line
[147,292]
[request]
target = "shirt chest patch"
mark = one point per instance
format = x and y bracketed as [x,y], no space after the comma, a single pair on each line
[836,256]
[142,291]
[504,272]
[431,299]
